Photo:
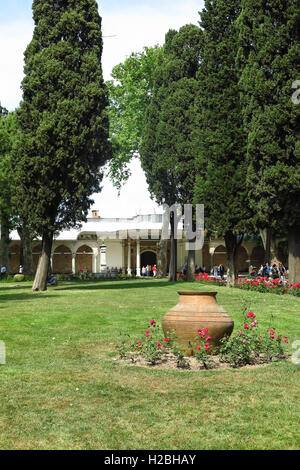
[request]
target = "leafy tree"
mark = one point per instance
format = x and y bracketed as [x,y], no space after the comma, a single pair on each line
[130,93]
[219,135]
[63,139]
[167,152]
[269,60]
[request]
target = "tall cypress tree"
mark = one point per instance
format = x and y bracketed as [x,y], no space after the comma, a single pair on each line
[166,151]
[219,135]
[7,136]
[269,59]
[63,140]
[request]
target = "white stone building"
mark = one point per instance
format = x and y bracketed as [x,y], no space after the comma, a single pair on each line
[125,244]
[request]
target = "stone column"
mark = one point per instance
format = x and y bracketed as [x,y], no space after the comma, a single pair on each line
[95,259]
[123,258]
[51,262]
[212,252]
[129,257]
[74,263]
[138,257]
[103,264]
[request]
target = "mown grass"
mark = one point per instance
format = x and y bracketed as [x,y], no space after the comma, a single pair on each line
[61,388]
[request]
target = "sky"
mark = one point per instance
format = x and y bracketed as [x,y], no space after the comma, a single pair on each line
[134,25]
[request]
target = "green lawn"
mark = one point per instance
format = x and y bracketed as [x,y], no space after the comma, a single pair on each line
[61,388]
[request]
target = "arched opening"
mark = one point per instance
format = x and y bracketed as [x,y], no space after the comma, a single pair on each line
[148,258]
[257,256]
[220,256]
[62,260]
[243,257]
[206,258]
[14,260]
[84,259]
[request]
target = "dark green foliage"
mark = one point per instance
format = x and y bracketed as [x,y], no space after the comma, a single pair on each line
[167,147]
[63,140]
[166,151]
[219,135]
[7,135]
[7,187]
[269,60]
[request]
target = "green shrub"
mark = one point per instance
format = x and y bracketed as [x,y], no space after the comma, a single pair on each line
[19,277]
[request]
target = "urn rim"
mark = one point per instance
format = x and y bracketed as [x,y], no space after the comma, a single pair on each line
[192,292]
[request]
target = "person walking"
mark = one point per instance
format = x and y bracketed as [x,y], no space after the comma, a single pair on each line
[143,271]
[154,270]
[282,273]
[215,272]
[221,271]
[275,273]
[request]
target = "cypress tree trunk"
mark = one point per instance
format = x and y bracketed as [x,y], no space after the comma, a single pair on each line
[230,257]
[173,261]
[238,241]
[4,243]
[232,243]
[162,259]
[191,264]
[294,255]
[266,236]
[268,246]
[26,250]
[27,253]
[40,280]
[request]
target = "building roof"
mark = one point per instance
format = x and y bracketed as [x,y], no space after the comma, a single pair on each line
[103,227]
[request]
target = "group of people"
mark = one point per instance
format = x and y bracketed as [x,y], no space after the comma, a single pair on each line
[149,271]
[274,271]
[218,271]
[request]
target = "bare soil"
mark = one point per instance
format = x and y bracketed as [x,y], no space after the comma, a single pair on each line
[170,361]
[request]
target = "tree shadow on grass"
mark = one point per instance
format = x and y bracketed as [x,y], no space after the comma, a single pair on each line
[12,296]
[109,285]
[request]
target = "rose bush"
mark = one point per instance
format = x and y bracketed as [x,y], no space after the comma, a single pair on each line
[249,345]
[258,284]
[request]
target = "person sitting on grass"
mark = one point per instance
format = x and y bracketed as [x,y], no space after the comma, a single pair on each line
[52,280]
[3,272]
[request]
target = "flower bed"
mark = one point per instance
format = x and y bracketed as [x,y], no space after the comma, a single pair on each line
[258,284]
[250,345]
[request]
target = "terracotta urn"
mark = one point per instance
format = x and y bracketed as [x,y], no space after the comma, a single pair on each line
[194,311]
